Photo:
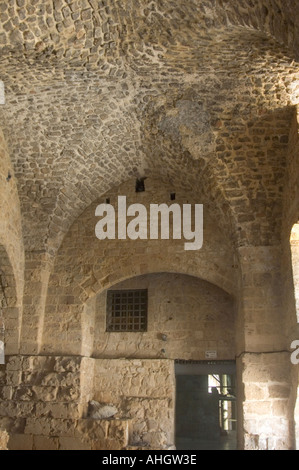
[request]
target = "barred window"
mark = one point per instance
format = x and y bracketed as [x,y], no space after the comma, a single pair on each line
[127,310]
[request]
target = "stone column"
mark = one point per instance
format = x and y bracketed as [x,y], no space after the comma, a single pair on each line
[38,265]
[264,366]
[11,249]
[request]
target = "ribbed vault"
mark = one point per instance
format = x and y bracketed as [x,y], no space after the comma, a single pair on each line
[99,91]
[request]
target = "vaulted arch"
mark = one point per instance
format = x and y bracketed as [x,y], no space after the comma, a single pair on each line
[294,242]
[97,263]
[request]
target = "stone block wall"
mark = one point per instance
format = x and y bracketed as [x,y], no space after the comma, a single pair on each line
[186,317]
[44,403]
[11,237]
[266,376]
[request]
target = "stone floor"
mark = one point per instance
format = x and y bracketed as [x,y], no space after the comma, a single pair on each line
[224,443]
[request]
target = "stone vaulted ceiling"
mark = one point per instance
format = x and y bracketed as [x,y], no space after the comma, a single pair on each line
[198,92]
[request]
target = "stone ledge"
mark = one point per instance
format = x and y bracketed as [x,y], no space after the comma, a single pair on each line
[36,433]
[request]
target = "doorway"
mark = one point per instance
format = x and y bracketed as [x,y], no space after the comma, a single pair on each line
[206,416]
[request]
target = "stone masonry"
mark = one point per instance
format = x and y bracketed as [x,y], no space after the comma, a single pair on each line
[199,98]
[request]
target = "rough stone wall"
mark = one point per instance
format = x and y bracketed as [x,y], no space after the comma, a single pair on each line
[10,229]
[200,94]
[291,217]
[196,316]
[294,242]
[11,237]
[44,403]
[156,135]
[3,440]
[101,87]
[291,185]
[261,310]
[86,266]
[10,314]
[65,26]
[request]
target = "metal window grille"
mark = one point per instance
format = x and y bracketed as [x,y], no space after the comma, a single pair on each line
[127,310]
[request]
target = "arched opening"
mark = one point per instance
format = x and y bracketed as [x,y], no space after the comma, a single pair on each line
[146,329]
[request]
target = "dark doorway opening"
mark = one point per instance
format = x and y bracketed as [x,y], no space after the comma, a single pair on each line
[206,416]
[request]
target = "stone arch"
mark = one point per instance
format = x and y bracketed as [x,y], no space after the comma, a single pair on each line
[10,315]
[149,265]
[96,266]
[189,311]
[76,306]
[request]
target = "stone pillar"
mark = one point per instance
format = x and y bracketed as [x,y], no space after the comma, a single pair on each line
[263,365]
[38,266]
[291,325]
[2,93]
